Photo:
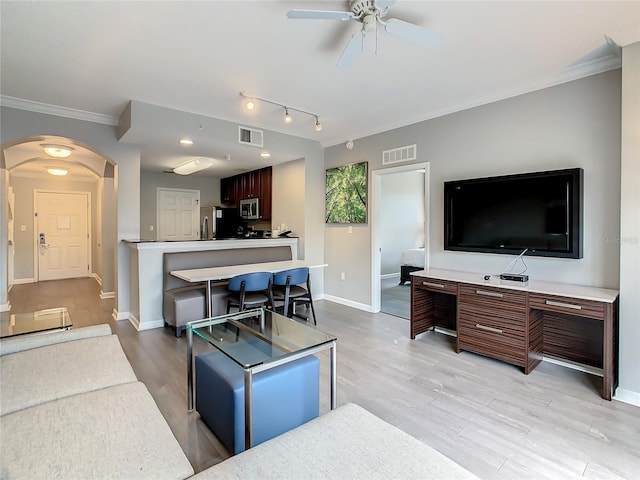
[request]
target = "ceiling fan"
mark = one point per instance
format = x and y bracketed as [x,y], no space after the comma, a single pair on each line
[370,13]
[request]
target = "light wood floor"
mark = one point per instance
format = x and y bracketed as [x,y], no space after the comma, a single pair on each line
[484,414]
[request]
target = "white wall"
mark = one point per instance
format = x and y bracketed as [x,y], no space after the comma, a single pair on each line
[576,124]
[629,389]
[402,217]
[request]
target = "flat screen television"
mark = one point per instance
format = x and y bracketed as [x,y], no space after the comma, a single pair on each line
[540,211]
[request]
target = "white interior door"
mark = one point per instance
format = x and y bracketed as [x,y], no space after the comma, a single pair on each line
[178,214]
[62,220]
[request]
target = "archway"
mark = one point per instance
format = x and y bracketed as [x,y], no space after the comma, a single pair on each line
[24,165]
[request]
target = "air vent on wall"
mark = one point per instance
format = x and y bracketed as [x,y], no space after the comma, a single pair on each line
[250,136]
[400,154]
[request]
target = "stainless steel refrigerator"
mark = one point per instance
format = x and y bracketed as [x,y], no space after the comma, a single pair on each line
[217,222]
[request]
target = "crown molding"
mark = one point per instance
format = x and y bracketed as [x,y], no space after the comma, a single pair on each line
[568,74]
[38,107]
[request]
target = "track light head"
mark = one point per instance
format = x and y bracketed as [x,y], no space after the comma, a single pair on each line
[318,125]
[287,117]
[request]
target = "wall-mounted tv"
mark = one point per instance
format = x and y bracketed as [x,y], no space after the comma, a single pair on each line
[539,211]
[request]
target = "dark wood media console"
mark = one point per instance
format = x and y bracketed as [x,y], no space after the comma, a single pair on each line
[519,323]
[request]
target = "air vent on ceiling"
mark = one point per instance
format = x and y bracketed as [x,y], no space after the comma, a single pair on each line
[400,154]
[250,136]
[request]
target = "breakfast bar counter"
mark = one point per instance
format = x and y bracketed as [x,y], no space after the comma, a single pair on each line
[146,271]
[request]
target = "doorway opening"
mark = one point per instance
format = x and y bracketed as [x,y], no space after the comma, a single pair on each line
[400,233]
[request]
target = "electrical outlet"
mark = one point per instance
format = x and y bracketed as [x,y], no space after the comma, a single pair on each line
[151,228]
[342,276]
[350,229]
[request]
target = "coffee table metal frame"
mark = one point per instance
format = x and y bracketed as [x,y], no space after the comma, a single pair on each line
[234,319]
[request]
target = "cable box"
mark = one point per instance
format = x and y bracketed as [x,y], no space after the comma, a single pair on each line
[514,277]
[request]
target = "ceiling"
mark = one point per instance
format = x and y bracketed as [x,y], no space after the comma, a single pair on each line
[90,58]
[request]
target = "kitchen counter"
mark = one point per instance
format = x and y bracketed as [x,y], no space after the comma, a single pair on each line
[145,270]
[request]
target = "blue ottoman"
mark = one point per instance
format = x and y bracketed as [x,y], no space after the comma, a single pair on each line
[284,397]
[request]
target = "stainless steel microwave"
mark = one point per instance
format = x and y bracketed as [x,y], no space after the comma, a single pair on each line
[250,208]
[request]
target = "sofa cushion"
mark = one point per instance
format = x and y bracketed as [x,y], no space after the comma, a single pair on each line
[117,433]
[39,375]
[346,443]
[26,342]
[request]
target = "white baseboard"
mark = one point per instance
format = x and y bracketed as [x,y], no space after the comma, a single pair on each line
[117,316]
[5,307]
[104,295]
[390,275]
[146,325]
[627,396]
[348,303]
[20,281]
[97,278]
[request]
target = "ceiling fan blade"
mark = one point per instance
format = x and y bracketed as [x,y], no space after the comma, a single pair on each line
[413,33]
[350,51]
[320,14]
[382,4]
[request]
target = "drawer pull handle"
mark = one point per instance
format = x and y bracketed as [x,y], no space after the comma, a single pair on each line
[435,285]
[488,329]
[562,304]
[489,294]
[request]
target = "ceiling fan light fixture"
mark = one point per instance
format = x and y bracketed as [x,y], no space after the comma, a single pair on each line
[318,125]
[57,151]
[193,165]
[56,171]
[287,117]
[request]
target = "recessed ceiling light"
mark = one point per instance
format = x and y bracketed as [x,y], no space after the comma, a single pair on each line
[59,172]
[265,154]
[57,151]
[186,141]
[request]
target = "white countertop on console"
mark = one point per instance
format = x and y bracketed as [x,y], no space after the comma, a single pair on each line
[584,292]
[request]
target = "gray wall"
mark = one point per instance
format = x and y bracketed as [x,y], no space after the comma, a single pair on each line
[208,186]
[402,217]
[24,187]
[576,124]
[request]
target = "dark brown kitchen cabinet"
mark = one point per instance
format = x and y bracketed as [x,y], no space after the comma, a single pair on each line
[265,193]
[253,184]
[229,190]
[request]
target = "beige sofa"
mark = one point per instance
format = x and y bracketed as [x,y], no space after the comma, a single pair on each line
[72,408]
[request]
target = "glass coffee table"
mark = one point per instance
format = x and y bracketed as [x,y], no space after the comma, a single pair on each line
[287,340]
[12,324]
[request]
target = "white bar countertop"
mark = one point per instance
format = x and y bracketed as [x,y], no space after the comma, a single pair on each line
[222,273]
[583,292]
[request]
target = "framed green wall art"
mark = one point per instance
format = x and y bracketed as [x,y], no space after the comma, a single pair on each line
[346,194]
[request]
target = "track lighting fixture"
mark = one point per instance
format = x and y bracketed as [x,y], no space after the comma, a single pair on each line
[251,105]
[287,117]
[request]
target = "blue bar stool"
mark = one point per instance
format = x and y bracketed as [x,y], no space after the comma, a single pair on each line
[287,288]
[251,290]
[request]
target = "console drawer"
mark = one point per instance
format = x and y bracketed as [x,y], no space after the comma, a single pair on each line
[435,285]
[571,306]
[493,297]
